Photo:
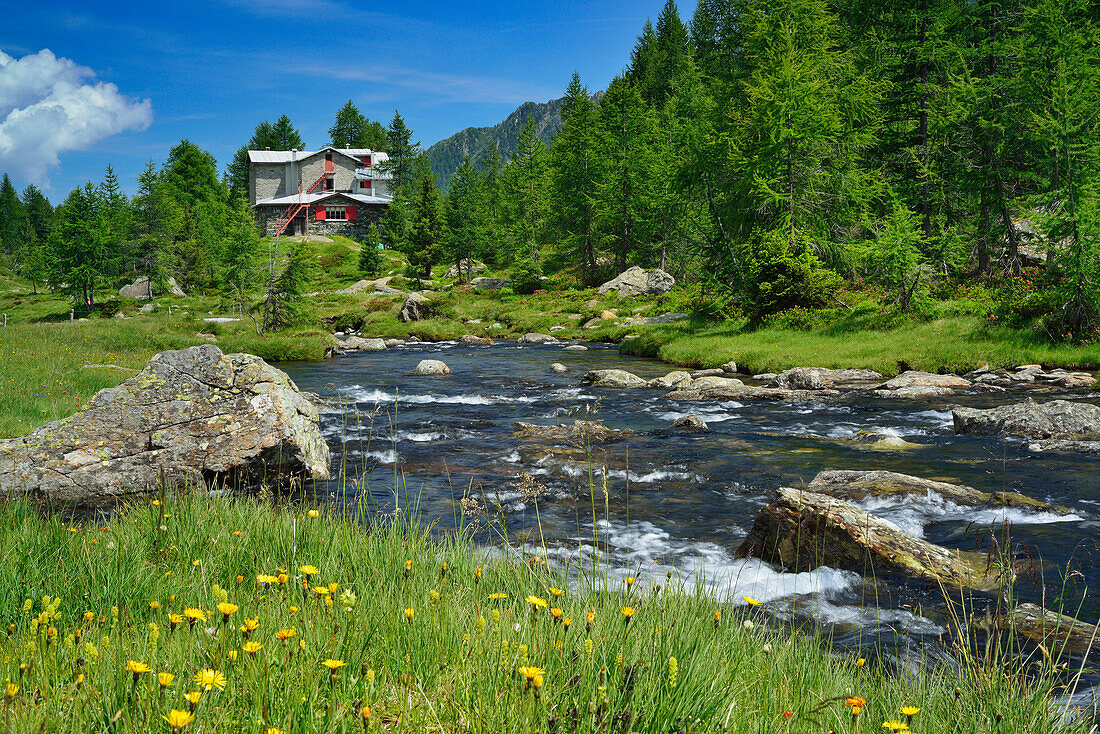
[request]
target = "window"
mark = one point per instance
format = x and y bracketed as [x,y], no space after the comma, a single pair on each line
[330,184]
[366,161]
[328,156]
[364,184]
[336,212]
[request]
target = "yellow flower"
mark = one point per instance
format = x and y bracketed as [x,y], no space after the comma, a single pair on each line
[273,730]
[308,570]
[174,619]
[11,691]
[265,579]
[556,613]
[477,575]
[630,581]
[333,664]
[895,726]
[535,601]
[497,596]
[286,633]
[165,679]
[282,578]
[194,615]
[178,719]
[590,616]
[321,590]
[226,609]
[154,605]
[313,513]
[855,701]
[628,612]
[909,711]
[196,562]
[333,587]
[231,655]
[409,613]
[364,713]
[556,592]
[208,678]
[240,579]
[567,621]
[251,647]
[434,595]
[751,602]
[137,668]
[532,675]
[857,710]
[193,698]
[861,662]
[251,624]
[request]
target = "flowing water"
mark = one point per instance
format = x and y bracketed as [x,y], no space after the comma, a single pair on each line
[681,503]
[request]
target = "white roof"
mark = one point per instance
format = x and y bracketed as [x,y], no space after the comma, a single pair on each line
[315,198]
[285,156]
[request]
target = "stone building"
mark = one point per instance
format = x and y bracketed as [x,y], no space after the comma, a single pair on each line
[328,191]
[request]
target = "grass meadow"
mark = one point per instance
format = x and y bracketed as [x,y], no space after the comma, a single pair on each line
[190,613]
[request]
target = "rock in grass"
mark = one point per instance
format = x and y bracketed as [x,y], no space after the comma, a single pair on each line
[612,378]
[1058,419]
[431,367]
[415,308]
[358,344]
[637,282]
[194,414]
[804,530]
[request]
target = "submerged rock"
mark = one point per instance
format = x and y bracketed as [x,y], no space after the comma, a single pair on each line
[1054,631]
[473,339]
[431,367]
[671,381]
[882,442]
[612,378]
[637,282]
[194,414]
[744,393]
[583,431]
[1057,419]
[712,382]
[804,530]
[558,367]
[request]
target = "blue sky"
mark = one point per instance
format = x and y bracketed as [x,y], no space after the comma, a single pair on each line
[209,71]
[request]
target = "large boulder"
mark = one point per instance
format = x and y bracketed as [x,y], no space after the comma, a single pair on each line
[431,367]
[916,384]
[638,282]
[140,289]
[714,382]
[689,424]
[415,308]
[536,338]
[804,530]
[820,378]
[1057,419]
[194,414]
[581,432]
[672,380]
[612,378]
[468,269]
[359,344]
[490,284]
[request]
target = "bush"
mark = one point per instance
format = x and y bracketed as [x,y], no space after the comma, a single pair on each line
[525,277]
[779,279]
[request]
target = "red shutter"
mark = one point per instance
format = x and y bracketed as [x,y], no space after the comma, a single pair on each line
[320,213]
[351,213]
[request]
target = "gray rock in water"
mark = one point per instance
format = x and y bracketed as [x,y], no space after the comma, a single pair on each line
[473,339]
[140,289]
[415,308]
[576,348]
[671,381]
[1057,419]
[820,378]
[714,382]
[431,367]
[730,367]
[536,338]
[194,414]
[1089,448]
[581,432]
[689,423]
[612,378]
[559,368]
[712,372]
[358,344]
[638,282]
[914,378]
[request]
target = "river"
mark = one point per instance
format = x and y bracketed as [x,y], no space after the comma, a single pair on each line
[680,503]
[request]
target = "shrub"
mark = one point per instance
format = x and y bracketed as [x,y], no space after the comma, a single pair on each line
[526,277]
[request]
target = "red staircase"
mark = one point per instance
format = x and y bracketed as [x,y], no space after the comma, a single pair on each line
[294,209]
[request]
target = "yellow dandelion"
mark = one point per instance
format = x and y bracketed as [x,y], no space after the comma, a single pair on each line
[556,613]
[628,612]
[11,691]
[308,570]
[751,602]
[286,633]
[226,609]
[333,665]
[555,592]
[137,668]
[154,605]
[251,647]
[266,579]
[497,596]
[895,726]
[364,713]
[178,719]
[194,614]
[193,698]
[409,614]
[909,711]
[165,679]
[535,601]
[209,678]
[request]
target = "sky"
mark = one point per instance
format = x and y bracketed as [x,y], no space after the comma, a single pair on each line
[86,84]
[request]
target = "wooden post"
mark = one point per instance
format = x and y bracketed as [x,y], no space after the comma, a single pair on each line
[72,315]
[5,321]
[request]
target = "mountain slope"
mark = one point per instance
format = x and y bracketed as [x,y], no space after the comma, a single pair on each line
[446,155]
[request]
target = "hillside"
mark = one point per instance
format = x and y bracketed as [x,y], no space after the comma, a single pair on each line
[446,155]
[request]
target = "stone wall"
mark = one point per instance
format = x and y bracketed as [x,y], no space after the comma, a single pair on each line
[365,214]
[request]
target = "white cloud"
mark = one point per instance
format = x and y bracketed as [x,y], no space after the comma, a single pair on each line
[50,105]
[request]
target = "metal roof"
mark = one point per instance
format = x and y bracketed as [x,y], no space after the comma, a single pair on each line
[315,198]
[284,156]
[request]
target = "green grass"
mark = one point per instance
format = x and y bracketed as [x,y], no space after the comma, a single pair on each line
[77,602]
[952,344]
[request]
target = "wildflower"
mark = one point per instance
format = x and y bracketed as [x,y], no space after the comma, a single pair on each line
[894,726]
[308,571]
[628,612]
[193,699]
[286,633]
[588,645]
[788,714]
[630,582]
[364,714]
[748,624]
[717,617]
[264,579]
[408,567]
[273,730]
[231,655]
[566,621]
[333,665]
[282,578]
[497,596]
[251,647]
[556,613]
[240,579]
[751,602]
[11,691]
[194,615]
[79,680]
[154,605]
[196,563]
[89,616]
[535,602]
[673,671]
[178,719]
[251,624]
[313,513]
[443,570]
[321,590]
[909,712]
[173,620]
[532,676]
[165,679]
[477,575]
[434,595]
[136,668]
[209,678]
[861,662]
[333,587]
[556,592]
[767,648]
[855,701]
[226,609]
[409,613]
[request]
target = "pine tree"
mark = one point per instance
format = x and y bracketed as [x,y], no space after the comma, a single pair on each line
[352,129]
[464,214]
[524,197]
[370,259]
[33,260]
[577,177]
[267,136]
[425,244]
[283,305]
[242,243]
[115,214]
[157,220]
[627,192]
[13,219]
[673,51]
[81,253]
[403,153]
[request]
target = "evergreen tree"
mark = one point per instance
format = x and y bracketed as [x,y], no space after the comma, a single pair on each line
[115,215]
[370,259]
[717,39]
[464,214]
[577,178]
[525,198]
[267,136]
[283,305]
[627,193]
[33,260]
[352,129]
[673,51]
[13,219]
[397,222]
[157,220]
[242,244]
[192,174]
[39,212]
[81,252]
[491,168]
[403,153]
[426,236]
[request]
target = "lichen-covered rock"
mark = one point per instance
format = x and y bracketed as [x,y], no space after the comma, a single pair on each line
[672,380]
[710,382]
[490,284]
[194,414]
[359,344]
[415,308]
[140,289]
[820,378]
[1088,448]
[612,378]
[875,441]
[431,367]
[744,393]
[689,424]
[804,530]
[536,338]
[558,368]
[581,432]
[465,269]
[1057,419]
[915,384]
[637,282]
